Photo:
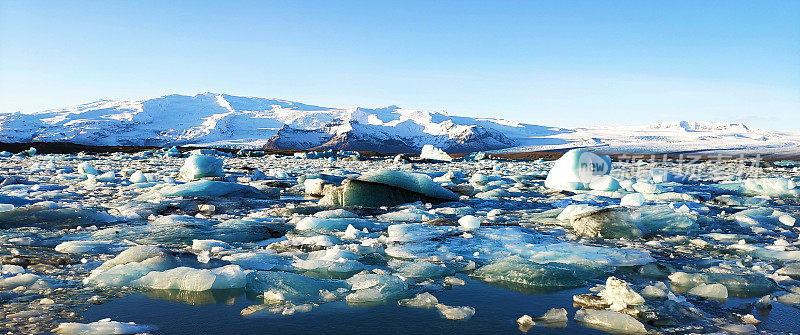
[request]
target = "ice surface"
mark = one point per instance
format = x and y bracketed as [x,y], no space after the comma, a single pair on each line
[212,188]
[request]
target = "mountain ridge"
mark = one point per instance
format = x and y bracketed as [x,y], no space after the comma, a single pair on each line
[224,120]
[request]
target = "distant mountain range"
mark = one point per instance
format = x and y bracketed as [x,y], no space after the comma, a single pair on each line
[222,120]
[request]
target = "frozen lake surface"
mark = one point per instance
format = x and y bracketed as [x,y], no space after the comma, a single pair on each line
[174,242]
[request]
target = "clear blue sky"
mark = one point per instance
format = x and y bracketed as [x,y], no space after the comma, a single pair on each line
[565,63]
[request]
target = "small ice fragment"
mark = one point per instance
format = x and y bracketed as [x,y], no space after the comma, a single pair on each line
[526,320]
[619,295]
[138,177]
[469,222]
[87,169]
[652,292]
[632,200]
[456,312]
[423,300]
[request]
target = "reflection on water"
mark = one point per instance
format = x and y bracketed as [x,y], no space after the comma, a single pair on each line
[196,298]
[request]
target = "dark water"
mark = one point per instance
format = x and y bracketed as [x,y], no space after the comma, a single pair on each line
[497,308]
[496,311]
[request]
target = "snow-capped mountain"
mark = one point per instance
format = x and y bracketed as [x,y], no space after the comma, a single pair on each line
[211,119]
[222,120]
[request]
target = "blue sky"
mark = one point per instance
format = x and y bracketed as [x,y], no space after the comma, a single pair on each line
[566,63]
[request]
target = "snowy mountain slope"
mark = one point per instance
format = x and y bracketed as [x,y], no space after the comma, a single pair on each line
[221,119]
[674,137]
[212,119]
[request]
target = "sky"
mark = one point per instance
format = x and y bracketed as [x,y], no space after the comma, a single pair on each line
[559,63]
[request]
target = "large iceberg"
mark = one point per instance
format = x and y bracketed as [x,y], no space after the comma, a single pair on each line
[201,166]
[435,154]
[387,188]
[577,169]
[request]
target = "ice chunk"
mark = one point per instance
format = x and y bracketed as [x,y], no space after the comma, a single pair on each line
[200,166]
[190,279]
[87,169]
[469,222]
[407,215]
[104,326]
[710,291]
[574,210]
[576,169]
[779,187]
[619,295]
[748,285]
[612,222]
[652,292]
[520,272]
[106,177]
[387,188]
[647,188]
[78,247]
[209,244]
[22,279]
[632,200]
[553,317]
[138,177]
[610,321]
[292,287]
[334,263]
[456,312]
[623,222]
[373,287]
[604,183]
[526,321]
[423,300]
[434,153]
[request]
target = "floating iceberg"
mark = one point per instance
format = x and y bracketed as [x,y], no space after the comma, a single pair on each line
[386,188]
[373,287]
[610,321]
[190,279]
[201,166]
[576,170]
[435,154]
